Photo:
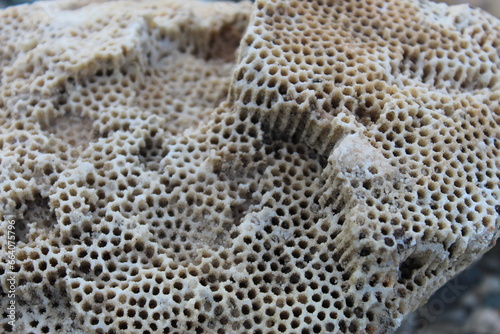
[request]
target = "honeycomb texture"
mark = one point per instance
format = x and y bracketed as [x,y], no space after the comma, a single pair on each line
[298,167]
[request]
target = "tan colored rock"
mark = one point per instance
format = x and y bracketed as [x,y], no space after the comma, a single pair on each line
[329,178]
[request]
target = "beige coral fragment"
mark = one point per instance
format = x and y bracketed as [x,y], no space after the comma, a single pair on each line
[298,167]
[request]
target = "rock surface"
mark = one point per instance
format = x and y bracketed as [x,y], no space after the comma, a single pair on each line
[325,170]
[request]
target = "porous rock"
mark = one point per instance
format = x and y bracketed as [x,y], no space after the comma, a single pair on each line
[324,170]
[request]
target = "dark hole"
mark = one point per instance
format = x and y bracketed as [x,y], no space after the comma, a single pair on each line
[365,252]
[409,266]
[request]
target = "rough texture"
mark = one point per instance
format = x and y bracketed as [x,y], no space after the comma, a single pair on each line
[467,304]
[492,6]
[351,171]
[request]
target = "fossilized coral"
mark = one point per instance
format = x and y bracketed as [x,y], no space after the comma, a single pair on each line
[351,170]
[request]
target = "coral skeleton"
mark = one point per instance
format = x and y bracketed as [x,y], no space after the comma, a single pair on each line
[174,166]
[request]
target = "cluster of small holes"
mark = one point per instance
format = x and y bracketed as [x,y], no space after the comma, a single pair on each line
[351,57]
[49,311]
[242,224]
[411,84]
[83,134]
[452,167]
[212,209]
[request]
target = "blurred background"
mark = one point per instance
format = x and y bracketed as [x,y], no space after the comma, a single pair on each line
[492,6]
[468,304]
[5,3]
